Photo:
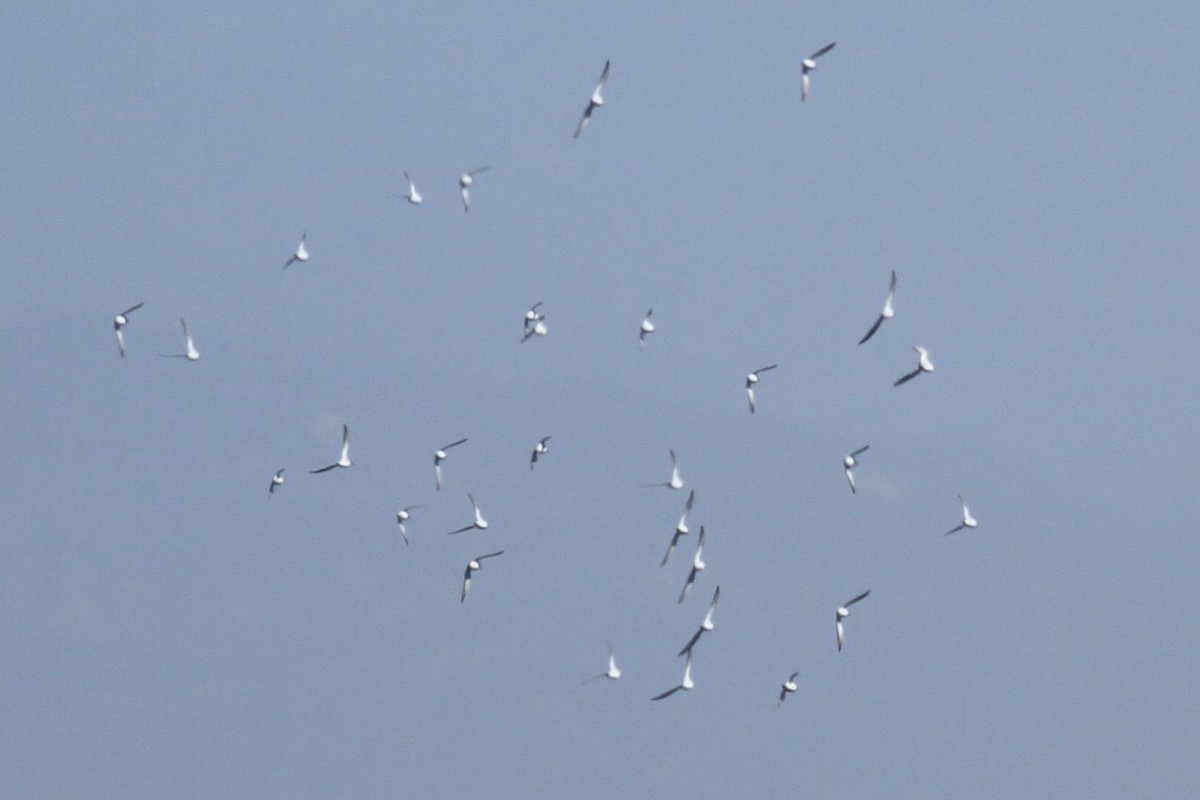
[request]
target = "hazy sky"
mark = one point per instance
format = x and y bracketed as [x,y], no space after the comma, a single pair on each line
[1030,171]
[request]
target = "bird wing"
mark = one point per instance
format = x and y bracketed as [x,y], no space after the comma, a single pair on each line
[855,600]
[823,50]
[871,332]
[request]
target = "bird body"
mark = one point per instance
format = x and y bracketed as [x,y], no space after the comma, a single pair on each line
[685,684]
[705,626]
[343,461]
[681,528]
[843,612]
[465,182]
[301,254]
[923,365]
[612,673]
[479,524]
[646,329]
[888,312]
[402,516]
[967,520]
[807,66]
[413,195]
[676,481]
[698,566]
[751,380]
[539,449]
[472,566]
[849,462]
[276,482]
[788,687]
[439,456]
[594,102]
[119,322]
[192,354]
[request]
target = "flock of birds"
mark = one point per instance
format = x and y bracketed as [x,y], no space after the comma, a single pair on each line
[534,325]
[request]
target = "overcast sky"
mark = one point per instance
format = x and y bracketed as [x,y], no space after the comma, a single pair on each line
[1030,172]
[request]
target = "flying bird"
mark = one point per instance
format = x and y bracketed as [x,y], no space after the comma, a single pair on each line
[276,482]
[967,520]
[473,565]
[788,687]
[888,312]
[613,673]
[537,329]
[438,457]
[752,379]
[923,365]
[402,517]
[479,524]
[809,64]
[539,449]
[344,459]
[120,321]
[533,315]
[192,353]
[413,195]
[842,613]
[535,323]
[465,181]
[706,625]
[685,684]
[681,529]
[595,102]
[676,482]
[646,329]
[698,566]
[850,462]
[301,253]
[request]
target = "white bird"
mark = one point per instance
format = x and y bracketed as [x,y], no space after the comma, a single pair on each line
[646,329]
[752,379]
[479,524]
[539,449]
[438,457]
[192,353]
[413,195]
[698,566]
[681,529]
[613,673]
[685,684]
[850,462]
[344,459]
[967,520]
[537,329]
[535,322]
[276,482]
[402,517]
[809,64]
[842,613]
[676,482]
[120,321]
[888,312]
[706,625]
[788,687]
[533,315]
[301,253]
[473,565]
[465,182]
[923,365]
[595,102]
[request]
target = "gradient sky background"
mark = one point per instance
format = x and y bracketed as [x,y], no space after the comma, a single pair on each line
[1029,170]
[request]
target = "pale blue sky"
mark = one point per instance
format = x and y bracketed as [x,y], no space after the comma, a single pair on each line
[1031,174]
